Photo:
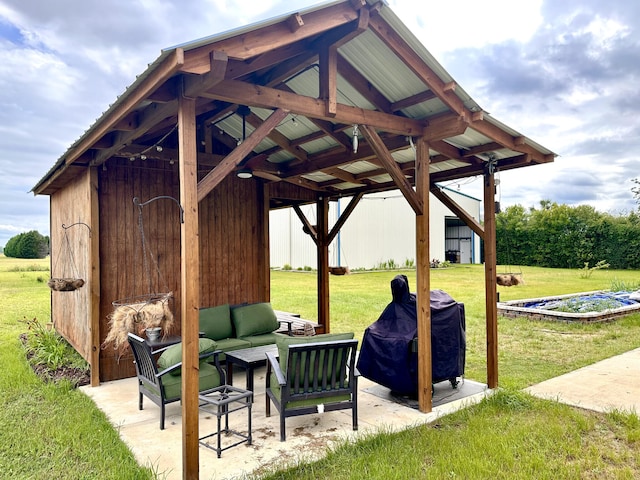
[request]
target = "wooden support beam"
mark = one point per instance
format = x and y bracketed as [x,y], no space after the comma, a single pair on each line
[364,86]
[283,142]
[215,176]
[490,270]
[150,116]
[94,282]
[344,216]
[234,91]
[423,273]
[323,263]
[273,36]
[392,167]
[313,233]
[448,202]
[329,79]
[263,242]
[189,284]
[517,144]
[138,92]
[445,127]
[412,100]
[195,84]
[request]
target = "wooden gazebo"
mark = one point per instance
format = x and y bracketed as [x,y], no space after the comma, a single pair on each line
[335,101]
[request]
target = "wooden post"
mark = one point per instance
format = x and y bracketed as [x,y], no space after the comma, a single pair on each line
[323,264]
[94,263]
[265,274]
[190,284]
[423,279]
[490,277]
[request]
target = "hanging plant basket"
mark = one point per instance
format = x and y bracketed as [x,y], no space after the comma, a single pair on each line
[509,279]
[65,284]
[136,314]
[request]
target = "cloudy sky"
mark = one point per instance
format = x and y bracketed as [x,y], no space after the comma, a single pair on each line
[564,73]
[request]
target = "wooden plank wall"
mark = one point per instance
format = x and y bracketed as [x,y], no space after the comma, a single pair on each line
[231,245]
[70,310]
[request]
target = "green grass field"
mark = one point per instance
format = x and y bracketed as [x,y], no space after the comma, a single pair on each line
[53,431]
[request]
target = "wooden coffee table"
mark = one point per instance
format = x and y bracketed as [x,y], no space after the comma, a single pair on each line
[248,358]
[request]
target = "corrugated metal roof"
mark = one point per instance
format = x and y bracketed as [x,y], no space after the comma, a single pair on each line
[388,77]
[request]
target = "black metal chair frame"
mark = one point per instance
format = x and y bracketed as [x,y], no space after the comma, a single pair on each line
[318,380]
[150,379]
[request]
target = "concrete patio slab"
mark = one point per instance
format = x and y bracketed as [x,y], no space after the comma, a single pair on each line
[308,436]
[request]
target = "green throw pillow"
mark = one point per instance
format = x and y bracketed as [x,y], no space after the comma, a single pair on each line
[284,342]
[173,354]
[215,322]
[254,319]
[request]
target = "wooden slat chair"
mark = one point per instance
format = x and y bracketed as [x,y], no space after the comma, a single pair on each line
[313,374]
[163,387]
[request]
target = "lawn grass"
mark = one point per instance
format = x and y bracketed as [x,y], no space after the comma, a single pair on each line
[529,351]
[49,431]
[52,430]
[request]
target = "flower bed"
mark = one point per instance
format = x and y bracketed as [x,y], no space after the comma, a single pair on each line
[599,306]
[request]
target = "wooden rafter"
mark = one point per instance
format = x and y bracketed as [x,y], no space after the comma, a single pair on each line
[412,100]
[216,175]
[392,167]
[516,144]
[344,216]
[234,91]
[283,142]
[363,86]
[471,222]
[310,229]
[262,40]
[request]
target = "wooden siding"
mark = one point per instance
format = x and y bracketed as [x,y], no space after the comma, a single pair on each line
[70,311]
[231,245]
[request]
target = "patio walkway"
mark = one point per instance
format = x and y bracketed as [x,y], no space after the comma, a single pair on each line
[307,436]
[613,383]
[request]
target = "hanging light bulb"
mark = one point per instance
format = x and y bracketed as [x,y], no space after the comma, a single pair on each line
[294,122]
[355,138]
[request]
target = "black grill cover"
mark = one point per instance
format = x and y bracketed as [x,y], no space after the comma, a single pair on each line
[389,352]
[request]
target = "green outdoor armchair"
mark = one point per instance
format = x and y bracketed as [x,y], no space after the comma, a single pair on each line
[161,381]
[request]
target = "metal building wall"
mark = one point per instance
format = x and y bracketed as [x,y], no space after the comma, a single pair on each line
[380,229]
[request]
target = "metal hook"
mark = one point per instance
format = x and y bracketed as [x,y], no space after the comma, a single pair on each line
[137,203]
[77,223]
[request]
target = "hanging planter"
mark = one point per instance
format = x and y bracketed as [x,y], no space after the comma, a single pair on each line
[67,284]
[138,313]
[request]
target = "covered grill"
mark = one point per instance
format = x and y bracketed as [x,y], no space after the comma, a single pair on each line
[389,354]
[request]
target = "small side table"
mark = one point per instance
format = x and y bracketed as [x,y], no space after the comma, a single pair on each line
[221,401]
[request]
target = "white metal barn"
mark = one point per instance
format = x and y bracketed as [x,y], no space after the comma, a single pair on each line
[380,229]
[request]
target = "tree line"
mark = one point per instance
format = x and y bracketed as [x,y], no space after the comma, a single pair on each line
[27,245]
[561,236]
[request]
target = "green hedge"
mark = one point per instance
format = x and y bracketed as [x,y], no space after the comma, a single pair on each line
[560,236]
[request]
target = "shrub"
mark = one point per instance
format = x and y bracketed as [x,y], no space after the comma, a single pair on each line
[46,347]
[587,271]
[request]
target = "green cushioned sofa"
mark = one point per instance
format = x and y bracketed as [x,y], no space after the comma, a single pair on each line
[233,327]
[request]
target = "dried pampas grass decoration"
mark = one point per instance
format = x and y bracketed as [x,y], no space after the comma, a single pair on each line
[130,317]
[65,284]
